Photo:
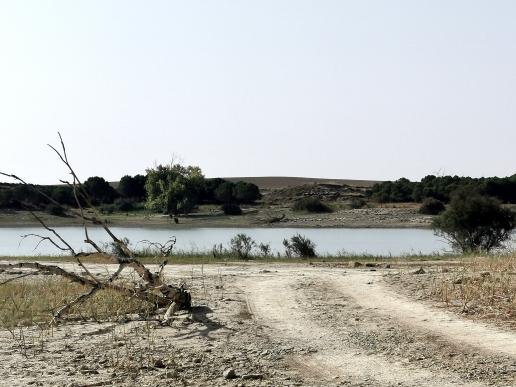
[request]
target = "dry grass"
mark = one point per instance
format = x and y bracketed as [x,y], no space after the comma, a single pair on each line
[483,286]
[33,301]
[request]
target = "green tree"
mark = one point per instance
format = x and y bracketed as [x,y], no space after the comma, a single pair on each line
[173,189]
[100,190]
[473,222]
[132,187]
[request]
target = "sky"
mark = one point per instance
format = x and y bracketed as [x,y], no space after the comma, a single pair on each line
[339,89]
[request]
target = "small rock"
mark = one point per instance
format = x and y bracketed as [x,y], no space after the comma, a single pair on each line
[229,374]
[159,363]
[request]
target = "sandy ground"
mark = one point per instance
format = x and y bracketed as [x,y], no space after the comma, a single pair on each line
[275,325]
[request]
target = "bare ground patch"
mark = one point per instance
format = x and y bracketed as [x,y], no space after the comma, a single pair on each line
[286,325]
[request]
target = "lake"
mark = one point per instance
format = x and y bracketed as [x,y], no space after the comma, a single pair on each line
[373,241]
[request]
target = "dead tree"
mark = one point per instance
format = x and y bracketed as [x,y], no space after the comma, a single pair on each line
[153,288]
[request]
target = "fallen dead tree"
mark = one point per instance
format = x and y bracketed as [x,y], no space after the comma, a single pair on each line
[151,287]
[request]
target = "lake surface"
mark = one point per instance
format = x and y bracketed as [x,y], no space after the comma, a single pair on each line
[328,240]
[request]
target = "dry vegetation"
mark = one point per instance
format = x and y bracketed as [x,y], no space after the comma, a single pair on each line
[481,287]
[34,302]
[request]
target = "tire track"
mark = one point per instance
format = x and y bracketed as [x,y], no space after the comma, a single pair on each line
[368,290]
[275,303]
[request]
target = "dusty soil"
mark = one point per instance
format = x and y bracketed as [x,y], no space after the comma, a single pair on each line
[274,325]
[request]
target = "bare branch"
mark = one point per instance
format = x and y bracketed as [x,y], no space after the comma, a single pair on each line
[164,249]
[41,239]
[83,297]
[53,231]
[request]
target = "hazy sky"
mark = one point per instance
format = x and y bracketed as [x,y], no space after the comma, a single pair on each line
[342,89]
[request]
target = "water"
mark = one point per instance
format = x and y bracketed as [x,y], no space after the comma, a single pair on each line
[328,240]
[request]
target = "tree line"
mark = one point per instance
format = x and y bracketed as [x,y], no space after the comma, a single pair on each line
[171,189]
[442,188]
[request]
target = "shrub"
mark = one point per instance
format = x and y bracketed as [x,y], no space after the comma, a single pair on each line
[63,195]
[123,205]
[241,245]
[431,206]
[231,209]
[54,209]
[473,222]
[299,246]
[224,192]
[356,203]
[246,192]
[107,208]
[265,250]
[311,204]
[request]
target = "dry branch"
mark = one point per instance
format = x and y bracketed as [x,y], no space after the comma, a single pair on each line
[153,289]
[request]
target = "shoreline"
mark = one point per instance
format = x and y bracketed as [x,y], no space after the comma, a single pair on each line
[382,218]
[220,226]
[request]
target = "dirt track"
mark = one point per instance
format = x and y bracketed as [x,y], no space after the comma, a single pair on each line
[292,325]
[324,309]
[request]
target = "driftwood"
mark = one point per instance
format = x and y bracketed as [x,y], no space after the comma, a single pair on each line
[153,289]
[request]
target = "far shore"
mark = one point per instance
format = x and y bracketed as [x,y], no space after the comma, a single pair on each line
[252,218]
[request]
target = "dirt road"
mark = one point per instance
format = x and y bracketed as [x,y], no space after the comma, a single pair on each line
[362,333]
[275,325]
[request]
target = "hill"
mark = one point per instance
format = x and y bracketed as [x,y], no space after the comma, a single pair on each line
[276,182]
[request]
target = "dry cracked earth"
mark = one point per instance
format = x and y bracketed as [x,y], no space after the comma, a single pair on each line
[271,325]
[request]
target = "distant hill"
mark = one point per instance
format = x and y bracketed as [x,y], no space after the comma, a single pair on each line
[276,182]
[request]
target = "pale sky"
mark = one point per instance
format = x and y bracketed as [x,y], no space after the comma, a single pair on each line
[340,89]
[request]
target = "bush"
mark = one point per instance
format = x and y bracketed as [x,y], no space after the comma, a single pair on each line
[356,203]
[311,204]
[431,206]
[224,192]
[246,192]
[241,245]
[54,209]
[299,246]
[474,223]
[107,208]
[265,250]
[63,195]
[231,209]
[123,205]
